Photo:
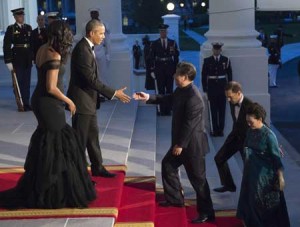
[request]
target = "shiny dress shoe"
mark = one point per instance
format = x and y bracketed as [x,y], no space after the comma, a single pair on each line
[102,173]
[225,189]
[168,204]
[203,218]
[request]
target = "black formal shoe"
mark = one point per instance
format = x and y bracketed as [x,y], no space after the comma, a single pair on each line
[168,204]
[203,218]
[102,173]
[225,189]
[220,134]
[214,134]
[27,108]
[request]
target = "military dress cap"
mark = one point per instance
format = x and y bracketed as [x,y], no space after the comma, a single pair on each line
[93,9]
[217,45]
[18,11]
[53,15]
[163,26]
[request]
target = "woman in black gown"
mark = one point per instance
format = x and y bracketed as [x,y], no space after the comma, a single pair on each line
[56,173]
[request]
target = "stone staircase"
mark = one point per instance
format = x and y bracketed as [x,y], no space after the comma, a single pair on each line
[130,134]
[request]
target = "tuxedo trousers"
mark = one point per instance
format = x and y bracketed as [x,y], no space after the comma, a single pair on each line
[86,127]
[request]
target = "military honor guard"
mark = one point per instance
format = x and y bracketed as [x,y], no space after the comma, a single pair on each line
[164,55]
[39,35]
[18,55]
[52,16]
[216,73]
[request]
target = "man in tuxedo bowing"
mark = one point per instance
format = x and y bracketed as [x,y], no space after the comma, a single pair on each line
[235,140]
[84,89]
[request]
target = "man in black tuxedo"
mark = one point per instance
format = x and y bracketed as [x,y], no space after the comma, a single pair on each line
[216,73]
[189,143]
[235,140]
[84,89]
[39,35]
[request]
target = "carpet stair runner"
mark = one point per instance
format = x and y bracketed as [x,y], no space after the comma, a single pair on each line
[132,201]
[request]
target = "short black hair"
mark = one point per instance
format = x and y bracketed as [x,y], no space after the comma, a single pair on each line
[91,25]
[186,68]
[234,86]
[257,111]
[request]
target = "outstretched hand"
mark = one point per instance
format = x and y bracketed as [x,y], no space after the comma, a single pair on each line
[140,96]
[122,96]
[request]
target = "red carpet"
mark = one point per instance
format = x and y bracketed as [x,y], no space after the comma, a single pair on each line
[106,205]
[224,218]
[138,202]
[169,216]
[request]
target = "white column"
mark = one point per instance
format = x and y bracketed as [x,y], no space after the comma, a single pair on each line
[173,21]
[30,12]
[120,68]
[232,22]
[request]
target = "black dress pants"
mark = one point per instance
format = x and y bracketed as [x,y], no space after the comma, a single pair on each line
[86,127]
[195,169]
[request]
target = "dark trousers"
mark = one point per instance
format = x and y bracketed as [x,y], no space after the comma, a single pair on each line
[195,169]
[164,73]
[137,62]
[217,108]
[24,77]
[86,127]
[221,158]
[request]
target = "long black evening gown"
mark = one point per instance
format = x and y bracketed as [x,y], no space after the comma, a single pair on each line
[56,173]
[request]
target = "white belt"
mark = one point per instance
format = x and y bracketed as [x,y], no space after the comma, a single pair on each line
[217,77]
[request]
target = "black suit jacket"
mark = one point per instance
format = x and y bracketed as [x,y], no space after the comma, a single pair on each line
[38,39]
[240,126]
[84,83]
[187,122]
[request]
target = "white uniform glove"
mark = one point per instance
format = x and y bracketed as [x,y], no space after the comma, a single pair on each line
[10,66]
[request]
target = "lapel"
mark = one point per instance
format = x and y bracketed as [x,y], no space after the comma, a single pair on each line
[87,46]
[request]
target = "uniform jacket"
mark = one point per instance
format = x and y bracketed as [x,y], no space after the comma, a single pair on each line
[240,126]
[38,39]
[188,129]
[16,45]
[212,68]
[274,55]
[171,52]
[84,83]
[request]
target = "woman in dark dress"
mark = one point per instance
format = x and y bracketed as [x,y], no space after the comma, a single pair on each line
[261,202]
[56,173]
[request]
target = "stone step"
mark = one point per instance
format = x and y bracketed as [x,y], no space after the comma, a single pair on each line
[141,159]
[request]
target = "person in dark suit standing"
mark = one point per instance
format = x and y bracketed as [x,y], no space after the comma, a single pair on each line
[189,143]
[137,53]
[235,140]
[149,81]
[216,73]
[164,55]
[84,89]
[39,35]
[18,53]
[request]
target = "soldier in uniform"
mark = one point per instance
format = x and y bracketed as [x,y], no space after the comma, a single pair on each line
[39,35]
[18,53]
[52,16]
[216,72]
[164,56]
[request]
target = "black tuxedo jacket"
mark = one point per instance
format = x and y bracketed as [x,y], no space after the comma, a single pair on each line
[240,126]
[84,83]
[188,129]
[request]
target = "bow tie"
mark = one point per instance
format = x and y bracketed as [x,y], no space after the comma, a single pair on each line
[237,104]
[92,47]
